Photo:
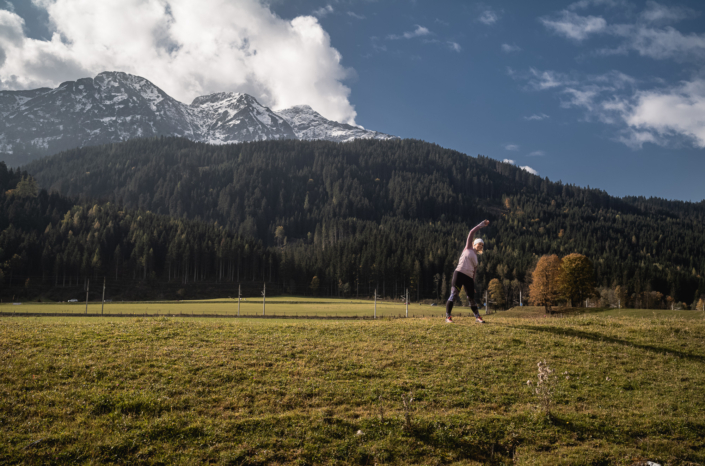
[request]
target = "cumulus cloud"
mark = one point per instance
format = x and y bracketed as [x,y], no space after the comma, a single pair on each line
[511,147]
[418,32]
[187,48]
[489,17]
[506,48]
[655,115]
[509,161]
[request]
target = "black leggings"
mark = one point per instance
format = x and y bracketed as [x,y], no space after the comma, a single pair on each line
[461,280]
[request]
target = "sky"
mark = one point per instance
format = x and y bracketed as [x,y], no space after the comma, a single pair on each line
[602,93]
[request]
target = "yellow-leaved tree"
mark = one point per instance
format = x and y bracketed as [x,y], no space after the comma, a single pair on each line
[496,293]
[545,288]
[577,278]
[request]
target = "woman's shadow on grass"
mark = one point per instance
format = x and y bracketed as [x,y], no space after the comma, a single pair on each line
[568,332]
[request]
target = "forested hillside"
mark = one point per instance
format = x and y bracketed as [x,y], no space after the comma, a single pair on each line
[390,214]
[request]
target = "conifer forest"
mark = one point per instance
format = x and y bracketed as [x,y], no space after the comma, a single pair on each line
[174,218]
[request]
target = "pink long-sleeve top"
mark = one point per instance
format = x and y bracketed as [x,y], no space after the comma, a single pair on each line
[468,259]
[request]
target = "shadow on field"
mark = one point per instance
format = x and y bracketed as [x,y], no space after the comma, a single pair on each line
[444,438]
[567,332]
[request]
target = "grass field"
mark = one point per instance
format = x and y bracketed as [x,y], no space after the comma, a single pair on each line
[539,312]
[283,306]
[246,392]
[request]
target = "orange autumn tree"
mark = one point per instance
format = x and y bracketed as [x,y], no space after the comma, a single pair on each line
[545,286]
[577,279]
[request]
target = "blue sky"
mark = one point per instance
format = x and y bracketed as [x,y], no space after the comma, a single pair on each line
[605,93]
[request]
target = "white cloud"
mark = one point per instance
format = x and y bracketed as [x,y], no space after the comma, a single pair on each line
[524,167]
[637,139]
[657,114]
[537,117]
[511,147]
[187,48]
[666,43]
[529,169]
[323,11]
[454,46]
[582,4]
[418,32]
[506,48]
[542,80]
[649,35]
[488,17]
[9,6]
[574,26]
[355,15]
[580,98]
[536,153]
[657,13]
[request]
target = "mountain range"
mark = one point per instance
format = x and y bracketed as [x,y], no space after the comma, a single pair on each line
[115,106]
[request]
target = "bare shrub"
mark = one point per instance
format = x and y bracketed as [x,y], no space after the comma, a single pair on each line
[545,386]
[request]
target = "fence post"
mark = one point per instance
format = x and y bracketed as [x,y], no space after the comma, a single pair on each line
[238,300]
[264,297]
[375,316]
[88,287]
[102,306]
[407,302]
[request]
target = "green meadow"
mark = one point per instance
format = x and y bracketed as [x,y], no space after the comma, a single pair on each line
[624,389]
[282,306]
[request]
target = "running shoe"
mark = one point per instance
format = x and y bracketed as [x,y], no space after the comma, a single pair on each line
[449,320]
[479,320]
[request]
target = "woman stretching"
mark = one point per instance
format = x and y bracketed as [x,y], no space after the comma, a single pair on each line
[464,274]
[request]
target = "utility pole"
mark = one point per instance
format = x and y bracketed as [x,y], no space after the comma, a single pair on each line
[264,297]
[88,287]
[407,302]
[238,300]
[375,316]
[102,306]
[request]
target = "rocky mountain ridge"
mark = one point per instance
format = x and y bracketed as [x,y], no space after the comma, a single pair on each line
[116,106]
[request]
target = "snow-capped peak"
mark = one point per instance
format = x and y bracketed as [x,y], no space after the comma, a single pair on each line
[115,106]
